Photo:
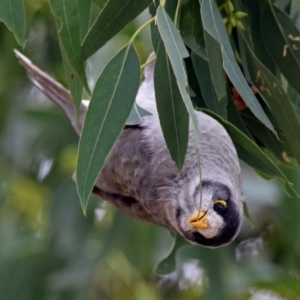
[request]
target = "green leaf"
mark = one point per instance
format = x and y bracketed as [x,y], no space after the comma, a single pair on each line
[67,13]
[115,16]
[241,139]
[254,162]
[265,136]
[273,94]
[191,27]
[170,36]
[74,83]
[12,13]
[100,3]
[254,11]
[203,75]
[84,8]
[215,65]
[282,40]
[213,24]
[136,114]
[109,108]
[173,116]
[176,51]
[235,118]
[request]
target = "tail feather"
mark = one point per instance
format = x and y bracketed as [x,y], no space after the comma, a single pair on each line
[58,94]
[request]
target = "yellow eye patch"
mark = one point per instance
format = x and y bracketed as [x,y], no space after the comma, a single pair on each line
[222,202]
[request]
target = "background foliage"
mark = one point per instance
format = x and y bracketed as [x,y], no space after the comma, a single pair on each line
[48,249]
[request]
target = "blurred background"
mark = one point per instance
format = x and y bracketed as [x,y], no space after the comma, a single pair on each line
[49,250]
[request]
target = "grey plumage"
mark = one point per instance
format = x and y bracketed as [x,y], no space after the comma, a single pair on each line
[141,179]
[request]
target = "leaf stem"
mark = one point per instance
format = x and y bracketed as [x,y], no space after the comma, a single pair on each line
[176,17]
[148,63]
[141,28]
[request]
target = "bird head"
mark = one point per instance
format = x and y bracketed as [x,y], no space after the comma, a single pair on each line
[217,221]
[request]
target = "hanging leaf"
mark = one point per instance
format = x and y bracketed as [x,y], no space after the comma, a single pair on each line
[112,100]
[84,8]
[67,14]
[12,13]
[215,65]
[212,22]
[191,28]
[173,116]
[265,136]
[74,83]
[273,94]
[176,51]
[282,40]
[254,10]
[115,16]
[241,139]
[203,74]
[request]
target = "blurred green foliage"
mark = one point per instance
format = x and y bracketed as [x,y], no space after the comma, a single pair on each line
[49,250]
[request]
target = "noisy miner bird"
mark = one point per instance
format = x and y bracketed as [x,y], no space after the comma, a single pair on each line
[140,178]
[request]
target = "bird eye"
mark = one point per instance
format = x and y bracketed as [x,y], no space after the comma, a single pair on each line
[220,205]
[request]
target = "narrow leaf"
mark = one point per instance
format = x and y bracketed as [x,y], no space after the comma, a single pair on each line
[254,10]
[115,16]
[191,27]
[282,40]
[12,13]
[173,116]
[74,83]
[273,94]
[213,24]
[176,51]
[203,75]
[84,8]
[67,13]
[241,139]
[110,106]
[214,56]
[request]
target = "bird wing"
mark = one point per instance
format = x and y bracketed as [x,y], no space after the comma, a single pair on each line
[123,177]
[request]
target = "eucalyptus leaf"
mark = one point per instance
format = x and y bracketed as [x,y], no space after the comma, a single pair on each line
[274,95]
[203,74]
[12,13]
[213,24]
[173,116]
[254,10]
[191,28]
[112,100]
[265,136]
[74,83]
[67,14]
[84,8]
[215,65]
[282,40]
[115,16]
[241,139]
[176,51]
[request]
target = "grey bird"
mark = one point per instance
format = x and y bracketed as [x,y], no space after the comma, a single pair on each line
[141,179]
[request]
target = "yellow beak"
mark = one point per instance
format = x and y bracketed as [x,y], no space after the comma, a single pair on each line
[199,220]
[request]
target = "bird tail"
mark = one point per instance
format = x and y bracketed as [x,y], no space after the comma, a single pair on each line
[53,90]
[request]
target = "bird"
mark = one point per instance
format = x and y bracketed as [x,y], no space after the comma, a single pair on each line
[141,179]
